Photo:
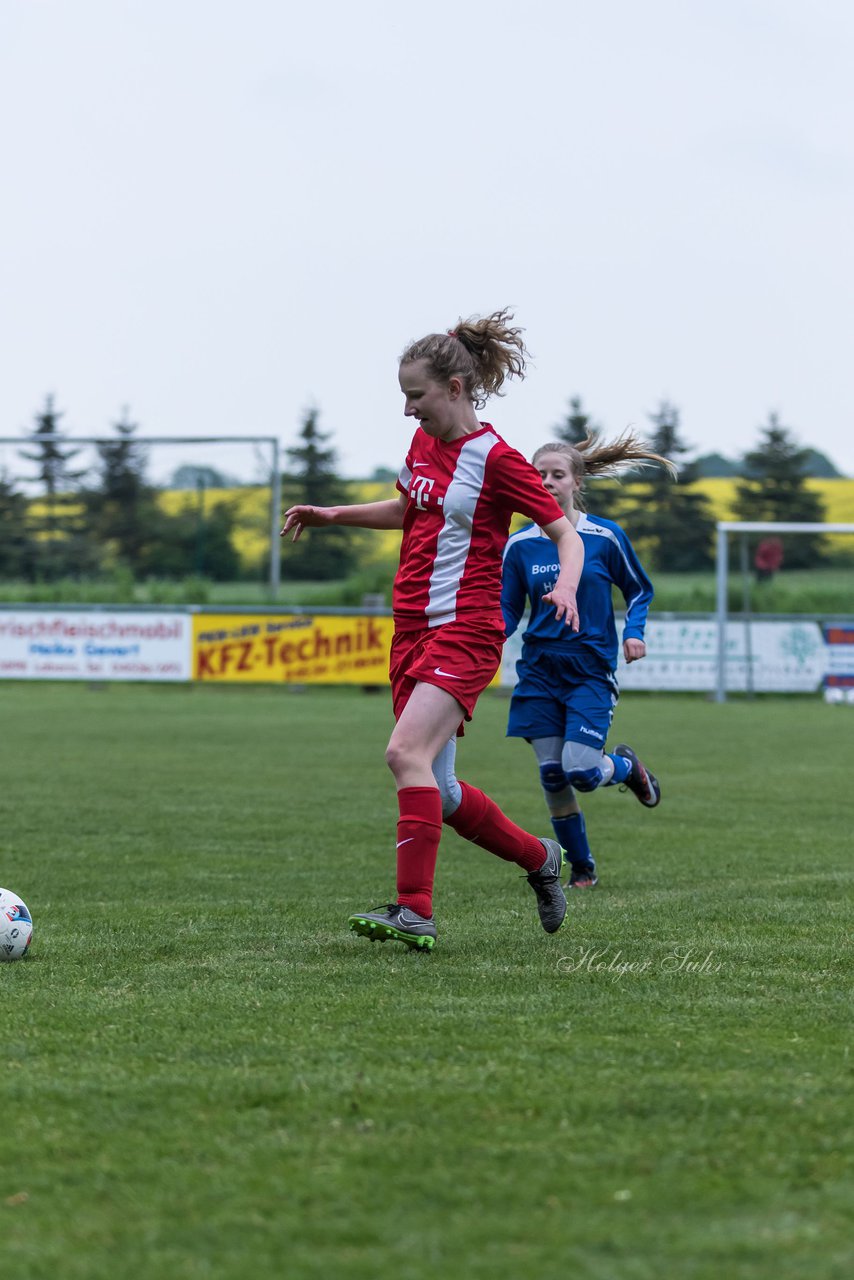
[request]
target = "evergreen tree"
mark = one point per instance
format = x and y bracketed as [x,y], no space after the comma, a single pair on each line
[135,532]
[122,505]
[602,496]
[331,555]
[59,529]
[577,425]
[54,471]
[773,487]
[17,552]
[673,526]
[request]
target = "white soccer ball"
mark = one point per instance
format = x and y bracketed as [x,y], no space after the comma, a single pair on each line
[16,926]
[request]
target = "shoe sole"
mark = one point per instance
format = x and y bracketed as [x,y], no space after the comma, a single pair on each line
[656,791]
[652,783]
[387,933]
[585,884]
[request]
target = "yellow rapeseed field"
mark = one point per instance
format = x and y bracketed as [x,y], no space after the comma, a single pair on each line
[837,495]
[251,538]
[252,510]
[251,505]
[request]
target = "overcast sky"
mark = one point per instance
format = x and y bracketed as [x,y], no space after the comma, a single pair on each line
[220,214]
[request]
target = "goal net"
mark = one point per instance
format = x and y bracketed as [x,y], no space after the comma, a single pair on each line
[839,684]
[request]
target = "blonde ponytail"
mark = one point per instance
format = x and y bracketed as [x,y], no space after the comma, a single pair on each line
[482,351]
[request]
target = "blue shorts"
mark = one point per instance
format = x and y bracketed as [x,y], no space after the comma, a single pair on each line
[562,696]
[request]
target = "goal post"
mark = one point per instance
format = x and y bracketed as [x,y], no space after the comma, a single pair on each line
[725,528]
[272,442]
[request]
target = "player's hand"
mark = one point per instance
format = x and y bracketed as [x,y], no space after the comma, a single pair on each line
[565,605]
[633,649]
[305,517]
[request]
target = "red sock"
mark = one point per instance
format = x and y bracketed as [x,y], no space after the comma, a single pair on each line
[480,820]
[418,831]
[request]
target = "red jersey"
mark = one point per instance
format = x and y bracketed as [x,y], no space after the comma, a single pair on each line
[462,496]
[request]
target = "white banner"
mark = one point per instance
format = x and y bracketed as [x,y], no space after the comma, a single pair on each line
[53,644]
[764,656]
[781,657]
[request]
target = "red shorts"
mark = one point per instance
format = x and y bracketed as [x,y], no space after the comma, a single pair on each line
[459,657]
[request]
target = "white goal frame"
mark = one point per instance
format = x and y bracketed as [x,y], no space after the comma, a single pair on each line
[275,478]
[726,527]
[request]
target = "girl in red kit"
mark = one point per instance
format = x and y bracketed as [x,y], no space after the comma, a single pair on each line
[458,489]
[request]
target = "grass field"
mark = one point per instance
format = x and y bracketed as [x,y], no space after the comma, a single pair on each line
[207,1076]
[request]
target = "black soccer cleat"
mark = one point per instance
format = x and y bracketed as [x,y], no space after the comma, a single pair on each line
[394,923]
[640,781]
[551,899]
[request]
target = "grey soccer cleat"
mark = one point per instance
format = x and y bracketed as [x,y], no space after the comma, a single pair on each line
[640,781]
[396,924]
[551,899]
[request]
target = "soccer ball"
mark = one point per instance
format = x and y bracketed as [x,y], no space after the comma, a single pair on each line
[16,926]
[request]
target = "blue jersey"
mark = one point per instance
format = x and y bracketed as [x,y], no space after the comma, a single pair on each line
[530,570]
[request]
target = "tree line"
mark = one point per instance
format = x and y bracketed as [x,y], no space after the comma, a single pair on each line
[97,521]
[673,524]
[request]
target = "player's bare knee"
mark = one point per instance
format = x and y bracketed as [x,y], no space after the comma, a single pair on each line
[397,757]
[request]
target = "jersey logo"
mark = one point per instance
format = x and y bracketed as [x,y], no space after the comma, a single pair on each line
[419,491]
[449,675]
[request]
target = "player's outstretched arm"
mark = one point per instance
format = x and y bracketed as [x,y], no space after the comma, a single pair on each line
[362,515]
[570,550]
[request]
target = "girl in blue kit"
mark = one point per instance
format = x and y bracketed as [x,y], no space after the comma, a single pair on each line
[564,700]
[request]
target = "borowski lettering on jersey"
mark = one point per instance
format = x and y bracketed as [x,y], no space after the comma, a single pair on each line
[609,559]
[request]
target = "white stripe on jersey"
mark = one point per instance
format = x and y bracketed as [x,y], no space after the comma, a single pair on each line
[586,525]
[452,546]
[533,531]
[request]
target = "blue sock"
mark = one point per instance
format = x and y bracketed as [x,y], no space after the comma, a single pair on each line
[622,769]
[571,831]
